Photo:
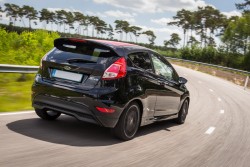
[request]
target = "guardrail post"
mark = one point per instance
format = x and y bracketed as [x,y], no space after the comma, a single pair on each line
[247,79]
[22,78]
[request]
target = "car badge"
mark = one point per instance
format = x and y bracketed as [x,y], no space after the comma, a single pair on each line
[67,68]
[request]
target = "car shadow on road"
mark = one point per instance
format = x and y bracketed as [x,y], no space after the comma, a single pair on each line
[67,131]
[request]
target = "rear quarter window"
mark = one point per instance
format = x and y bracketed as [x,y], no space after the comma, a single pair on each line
[141,60]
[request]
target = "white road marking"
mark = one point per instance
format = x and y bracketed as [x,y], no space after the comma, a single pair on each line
[211,90]
[210,130]
[17,113]
[219,99]
[222,111]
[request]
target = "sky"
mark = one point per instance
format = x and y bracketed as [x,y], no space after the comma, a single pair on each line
[147,14]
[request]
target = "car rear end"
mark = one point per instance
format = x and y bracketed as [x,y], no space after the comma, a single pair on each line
[81,78]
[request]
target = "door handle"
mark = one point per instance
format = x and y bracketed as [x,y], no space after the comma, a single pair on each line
[161,83]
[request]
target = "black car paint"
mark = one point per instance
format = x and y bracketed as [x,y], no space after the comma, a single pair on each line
[145,87]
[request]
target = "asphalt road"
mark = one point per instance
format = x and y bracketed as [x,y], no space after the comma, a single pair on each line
[216,134]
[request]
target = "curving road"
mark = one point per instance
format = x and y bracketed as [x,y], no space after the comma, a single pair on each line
[216,134]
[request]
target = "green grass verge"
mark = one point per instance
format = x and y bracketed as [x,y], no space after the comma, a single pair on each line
[235,77]
[15,94]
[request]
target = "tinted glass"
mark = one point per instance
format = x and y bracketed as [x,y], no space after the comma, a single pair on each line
[141,59]
[93,53]
[162,68]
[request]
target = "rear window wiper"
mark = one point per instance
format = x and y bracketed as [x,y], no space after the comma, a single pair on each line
[75,60]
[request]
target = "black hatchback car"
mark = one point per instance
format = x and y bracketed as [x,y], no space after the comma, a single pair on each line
[113,84]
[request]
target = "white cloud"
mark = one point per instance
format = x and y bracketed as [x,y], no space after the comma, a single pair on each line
[66,9]
[101,15]
[162,21]
[119,14]
[161,33]
[167,30]
[232,13]
[154,6]
[130,20]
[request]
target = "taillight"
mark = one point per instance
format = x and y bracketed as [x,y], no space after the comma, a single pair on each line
[105,110]
[43,58]
[116,70]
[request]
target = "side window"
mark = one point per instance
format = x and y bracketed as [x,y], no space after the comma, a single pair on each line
[162,68]
[141,59]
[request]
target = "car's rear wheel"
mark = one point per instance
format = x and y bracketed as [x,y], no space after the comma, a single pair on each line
[47,114]
[183,113]
[128,123]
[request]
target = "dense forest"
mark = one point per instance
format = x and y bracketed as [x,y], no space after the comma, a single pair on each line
[201,28]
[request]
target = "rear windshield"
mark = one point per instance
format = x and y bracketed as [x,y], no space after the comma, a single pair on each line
[73,50]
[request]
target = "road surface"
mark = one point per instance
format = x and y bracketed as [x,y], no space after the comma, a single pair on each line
[216,134]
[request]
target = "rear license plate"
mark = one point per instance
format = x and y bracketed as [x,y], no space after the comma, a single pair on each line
[66,75]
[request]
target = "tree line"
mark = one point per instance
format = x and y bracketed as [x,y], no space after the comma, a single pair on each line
[202,27]
[67,21]
[207,23]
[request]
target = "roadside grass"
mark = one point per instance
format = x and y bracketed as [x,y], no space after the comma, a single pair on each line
[235,77]
[15,92]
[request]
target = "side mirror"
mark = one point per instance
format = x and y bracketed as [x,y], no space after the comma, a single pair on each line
[182,80]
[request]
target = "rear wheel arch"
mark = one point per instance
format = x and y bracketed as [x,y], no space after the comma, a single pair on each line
[137,101]
[140,104]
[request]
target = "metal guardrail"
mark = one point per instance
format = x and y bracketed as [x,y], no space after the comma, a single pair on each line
[211,65]
[217,66]
[6,68]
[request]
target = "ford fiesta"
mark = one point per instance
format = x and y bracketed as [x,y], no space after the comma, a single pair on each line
[112,84]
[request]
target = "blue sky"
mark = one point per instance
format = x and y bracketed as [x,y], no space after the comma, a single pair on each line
[148,14]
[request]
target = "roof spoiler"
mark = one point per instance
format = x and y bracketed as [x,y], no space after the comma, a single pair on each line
[60,41]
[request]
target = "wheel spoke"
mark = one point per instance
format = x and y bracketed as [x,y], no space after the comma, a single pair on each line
[131,121]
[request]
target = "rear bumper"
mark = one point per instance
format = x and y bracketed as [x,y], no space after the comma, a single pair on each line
[70,108]
[70,102]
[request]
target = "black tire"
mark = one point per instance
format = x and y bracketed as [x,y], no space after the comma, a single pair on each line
[128,123]
[47,115]
[182,113]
